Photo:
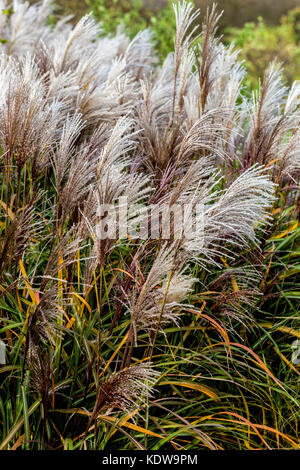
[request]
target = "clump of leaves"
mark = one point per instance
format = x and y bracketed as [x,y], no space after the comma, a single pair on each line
[260,43]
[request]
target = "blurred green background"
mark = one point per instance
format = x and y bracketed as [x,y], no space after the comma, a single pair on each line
[264,30]
[236,12]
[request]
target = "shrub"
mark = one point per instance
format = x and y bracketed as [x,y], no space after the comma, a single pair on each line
[133,16]
[260,44]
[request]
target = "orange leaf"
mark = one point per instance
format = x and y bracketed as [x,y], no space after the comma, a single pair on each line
[260,362]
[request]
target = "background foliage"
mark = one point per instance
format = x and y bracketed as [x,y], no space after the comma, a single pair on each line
[262,30]
[260,44]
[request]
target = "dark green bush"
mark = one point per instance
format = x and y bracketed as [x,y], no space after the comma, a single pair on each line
[260,44]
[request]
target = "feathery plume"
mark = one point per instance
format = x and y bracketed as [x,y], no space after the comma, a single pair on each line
[126,390]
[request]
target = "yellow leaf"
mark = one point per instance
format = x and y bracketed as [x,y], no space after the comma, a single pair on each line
[30,290]
[233,280]
[286,232]
[8,210]
[114,354]
[84,302]
[283,329]
[131,426]
[194,386]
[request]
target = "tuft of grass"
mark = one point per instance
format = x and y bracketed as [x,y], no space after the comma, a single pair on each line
[164,342]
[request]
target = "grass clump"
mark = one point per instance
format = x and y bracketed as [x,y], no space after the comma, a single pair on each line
[171,341]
